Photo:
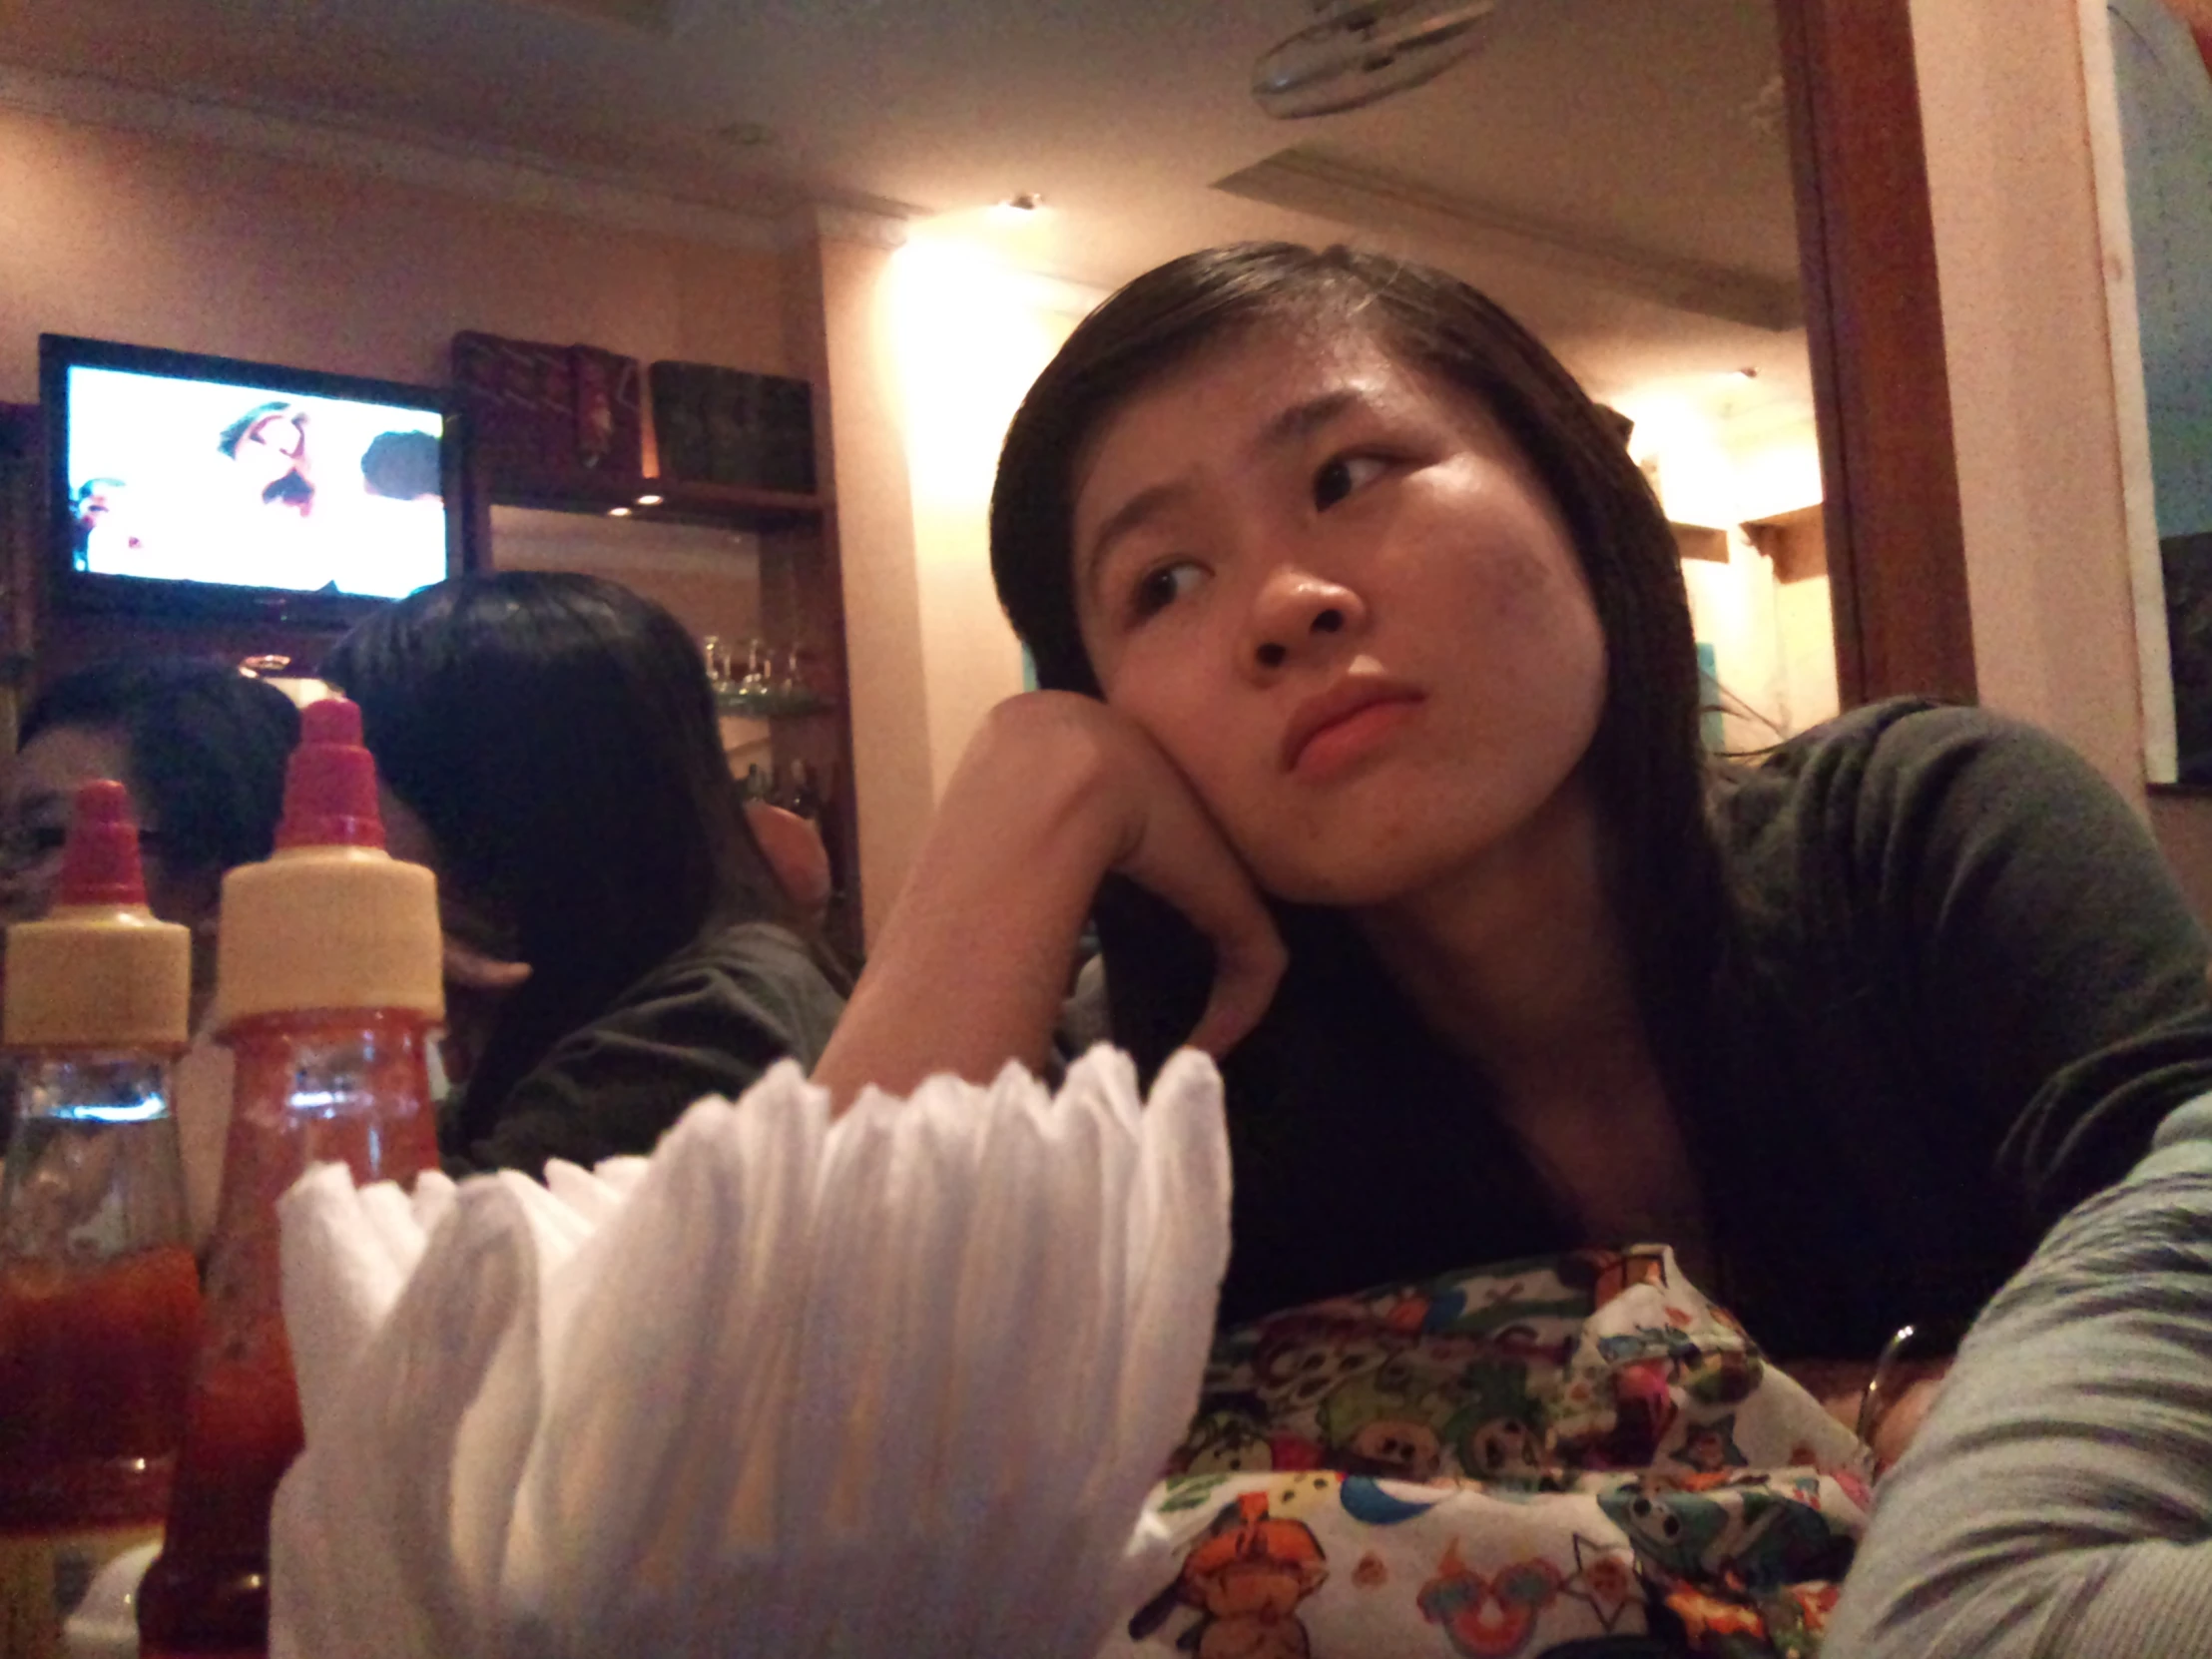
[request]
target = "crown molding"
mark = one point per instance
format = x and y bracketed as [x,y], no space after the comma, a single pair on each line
[831,223]
[478,170]
[1372,200]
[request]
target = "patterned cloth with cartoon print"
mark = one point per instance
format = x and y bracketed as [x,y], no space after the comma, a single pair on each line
[1577,1457]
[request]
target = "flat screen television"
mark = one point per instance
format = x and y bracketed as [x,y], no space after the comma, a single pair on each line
[193,485]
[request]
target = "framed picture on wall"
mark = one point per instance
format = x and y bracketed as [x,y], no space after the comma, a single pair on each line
[2149,69]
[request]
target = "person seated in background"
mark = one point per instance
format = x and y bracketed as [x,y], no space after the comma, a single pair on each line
[201,748]
[618,945]
[1370,740]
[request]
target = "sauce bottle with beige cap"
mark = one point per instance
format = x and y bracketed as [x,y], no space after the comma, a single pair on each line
[327,990]
[98,1296]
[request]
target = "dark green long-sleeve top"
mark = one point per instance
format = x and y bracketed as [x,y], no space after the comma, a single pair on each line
[709,1020]
[1965,989]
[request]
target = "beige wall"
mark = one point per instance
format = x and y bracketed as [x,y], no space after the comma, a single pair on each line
[875,533]
[971,337]
[2034,414]
[165,242]
[2010,180]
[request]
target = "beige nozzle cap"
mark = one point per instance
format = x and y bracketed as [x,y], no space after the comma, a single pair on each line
[100,971]
[331,920]
[328,927]
[99,978]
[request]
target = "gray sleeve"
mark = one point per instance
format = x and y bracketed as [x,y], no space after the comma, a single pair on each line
[2059,1500]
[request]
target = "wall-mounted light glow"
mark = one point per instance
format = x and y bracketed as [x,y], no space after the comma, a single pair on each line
[649,501]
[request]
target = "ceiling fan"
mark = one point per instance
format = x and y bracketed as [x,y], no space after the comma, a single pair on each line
[1358,51]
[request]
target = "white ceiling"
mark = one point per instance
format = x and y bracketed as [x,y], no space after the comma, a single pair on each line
[1611,170]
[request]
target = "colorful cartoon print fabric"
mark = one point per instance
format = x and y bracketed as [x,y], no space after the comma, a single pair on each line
[1577,1458]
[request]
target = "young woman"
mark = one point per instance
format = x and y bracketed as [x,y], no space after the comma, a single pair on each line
[1373,742]
[617,944]
[201,748]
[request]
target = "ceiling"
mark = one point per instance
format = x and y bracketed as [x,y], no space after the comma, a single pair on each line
[1613,171]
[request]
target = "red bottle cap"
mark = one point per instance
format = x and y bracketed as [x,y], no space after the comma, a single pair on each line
[99,861]
[331,784]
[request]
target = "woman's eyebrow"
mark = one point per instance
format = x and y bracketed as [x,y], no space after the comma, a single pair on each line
[1146,504]
[1298,421]
[1302,420]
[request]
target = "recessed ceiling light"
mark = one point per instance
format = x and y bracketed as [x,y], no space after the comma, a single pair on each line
[1028,204]
[618,512]
[649,501]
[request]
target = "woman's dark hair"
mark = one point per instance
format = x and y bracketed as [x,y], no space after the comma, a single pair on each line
[207,747]
[1336,1025]
[557,736]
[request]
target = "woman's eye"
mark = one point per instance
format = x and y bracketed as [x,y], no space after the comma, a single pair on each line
[1339,477]
[1163,585]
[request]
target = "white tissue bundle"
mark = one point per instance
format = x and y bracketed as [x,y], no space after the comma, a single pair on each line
[892,1385]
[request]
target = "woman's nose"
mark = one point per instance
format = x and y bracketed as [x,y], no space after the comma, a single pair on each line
[1297,613]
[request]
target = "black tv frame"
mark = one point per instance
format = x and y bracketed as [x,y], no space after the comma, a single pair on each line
[69,589]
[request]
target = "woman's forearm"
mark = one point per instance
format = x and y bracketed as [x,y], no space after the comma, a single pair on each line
[2058,1500]
[971,968]
[1054,793]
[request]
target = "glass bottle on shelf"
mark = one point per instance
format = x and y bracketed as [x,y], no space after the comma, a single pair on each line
[800,795]
[99,1296]
[328,986]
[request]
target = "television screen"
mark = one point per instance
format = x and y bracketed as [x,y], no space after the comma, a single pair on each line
[181,469]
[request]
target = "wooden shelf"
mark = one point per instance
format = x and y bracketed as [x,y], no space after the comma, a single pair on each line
[1700,541]
[735,504]
[1796,541]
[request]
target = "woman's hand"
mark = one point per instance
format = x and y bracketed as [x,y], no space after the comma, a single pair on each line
[1909,1391]
[1055,793]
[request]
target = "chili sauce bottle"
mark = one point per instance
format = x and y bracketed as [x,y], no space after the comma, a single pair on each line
[327,988]
[99,1295]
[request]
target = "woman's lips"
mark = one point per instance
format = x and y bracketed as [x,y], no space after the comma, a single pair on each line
[1330,732]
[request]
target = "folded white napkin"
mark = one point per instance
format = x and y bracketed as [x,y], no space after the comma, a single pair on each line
[895,1384]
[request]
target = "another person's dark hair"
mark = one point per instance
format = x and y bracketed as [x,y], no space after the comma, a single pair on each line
[1336,1025]
[207,747]
[402,466]
[557,734]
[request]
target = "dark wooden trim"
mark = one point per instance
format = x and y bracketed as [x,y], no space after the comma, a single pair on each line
[1896,542]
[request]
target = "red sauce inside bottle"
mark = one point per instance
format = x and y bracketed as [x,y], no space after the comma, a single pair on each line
[93,1370]
[346,1088]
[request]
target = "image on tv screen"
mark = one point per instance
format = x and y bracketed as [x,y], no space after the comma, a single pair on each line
[199,481]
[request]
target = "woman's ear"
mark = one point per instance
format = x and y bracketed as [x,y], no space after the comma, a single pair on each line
[479,970]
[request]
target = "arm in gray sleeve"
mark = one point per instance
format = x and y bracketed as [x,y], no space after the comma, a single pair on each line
[2059,1500]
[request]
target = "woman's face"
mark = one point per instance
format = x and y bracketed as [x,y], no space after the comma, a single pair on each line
[1339,597]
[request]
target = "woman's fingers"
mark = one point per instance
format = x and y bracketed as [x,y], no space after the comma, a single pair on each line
[1246,973]
[1181,856]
